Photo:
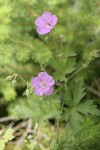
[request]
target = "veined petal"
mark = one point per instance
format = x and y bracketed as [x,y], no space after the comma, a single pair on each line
[39,91]
[50,81]
[50,91]
[43,75]
[36,82]
[47,16]
[43,30]
[46,78]
[40,22]
[54,20]
[45,89]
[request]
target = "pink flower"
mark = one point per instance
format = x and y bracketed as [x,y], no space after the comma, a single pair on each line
[43,84]
[45,22]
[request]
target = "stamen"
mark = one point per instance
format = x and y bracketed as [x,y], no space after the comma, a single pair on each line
[43,83]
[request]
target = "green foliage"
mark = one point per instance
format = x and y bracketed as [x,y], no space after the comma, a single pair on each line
[86,137]
[38,109]
[76,109]
[23,51]
[54,145]
[6,137]
[66,64]
[8,92]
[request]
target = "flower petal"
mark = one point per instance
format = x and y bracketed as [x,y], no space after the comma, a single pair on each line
[40,22]
[46,78]
[50,81]
[47,16]
[43,75]
[36,82]
[50,91]
[39,91]
[43,30]
[45,89]
[54,20]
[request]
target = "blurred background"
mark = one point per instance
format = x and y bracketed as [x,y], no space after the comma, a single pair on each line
[23,50]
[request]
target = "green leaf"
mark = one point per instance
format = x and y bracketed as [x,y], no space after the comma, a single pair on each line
[52,114]
[67,52]
[88,108]
[67,114]
[39,109]
[54,145]
[6,137]
[68,100]
[75,119]
[74,94]
[9,93]
[78,92]
[66,64]
[75,109]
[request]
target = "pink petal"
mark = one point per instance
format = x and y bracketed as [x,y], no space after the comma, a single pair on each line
[39,92]
[43,30]
[54,20]
[36,82]
[46,78]
[43,75]
[47,16]
[45,89]
[49,92]
[50,81]
[40,22]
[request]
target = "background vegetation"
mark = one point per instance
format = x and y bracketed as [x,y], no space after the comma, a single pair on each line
[23,51]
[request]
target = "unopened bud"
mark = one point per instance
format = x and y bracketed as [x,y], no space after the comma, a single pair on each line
[62,37]
[9,78]
[46,39]
[14,83]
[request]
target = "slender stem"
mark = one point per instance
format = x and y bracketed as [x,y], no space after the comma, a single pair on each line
[84,66]
[54,43]
[17,75]
[74,73]
[61,45]
[58,123]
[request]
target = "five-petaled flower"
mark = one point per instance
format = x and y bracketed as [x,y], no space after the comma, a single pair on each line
[45,22]
[43,84]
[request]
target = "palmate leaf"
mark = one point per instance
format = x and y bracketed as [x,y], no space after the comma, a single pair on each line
[62,67]
[67,52]
[76,110]
[74,94]
[73,117]
[38,109]
[88,108]
[68,100]
[78,92]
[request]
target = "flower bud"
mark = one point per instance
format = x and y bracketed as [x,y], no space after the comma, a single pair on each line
[9,78]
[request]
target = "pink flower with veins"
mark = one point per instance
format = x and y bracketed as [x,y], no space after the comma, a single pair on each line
[43,84]
[45,23]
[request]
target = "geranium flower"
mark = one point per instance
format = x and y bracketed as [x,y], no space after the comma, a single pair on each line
[45,22]
[43,84]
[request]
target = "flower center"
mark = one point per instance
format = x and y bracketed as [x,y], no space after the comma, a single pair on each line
[48,25]
[43,84]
